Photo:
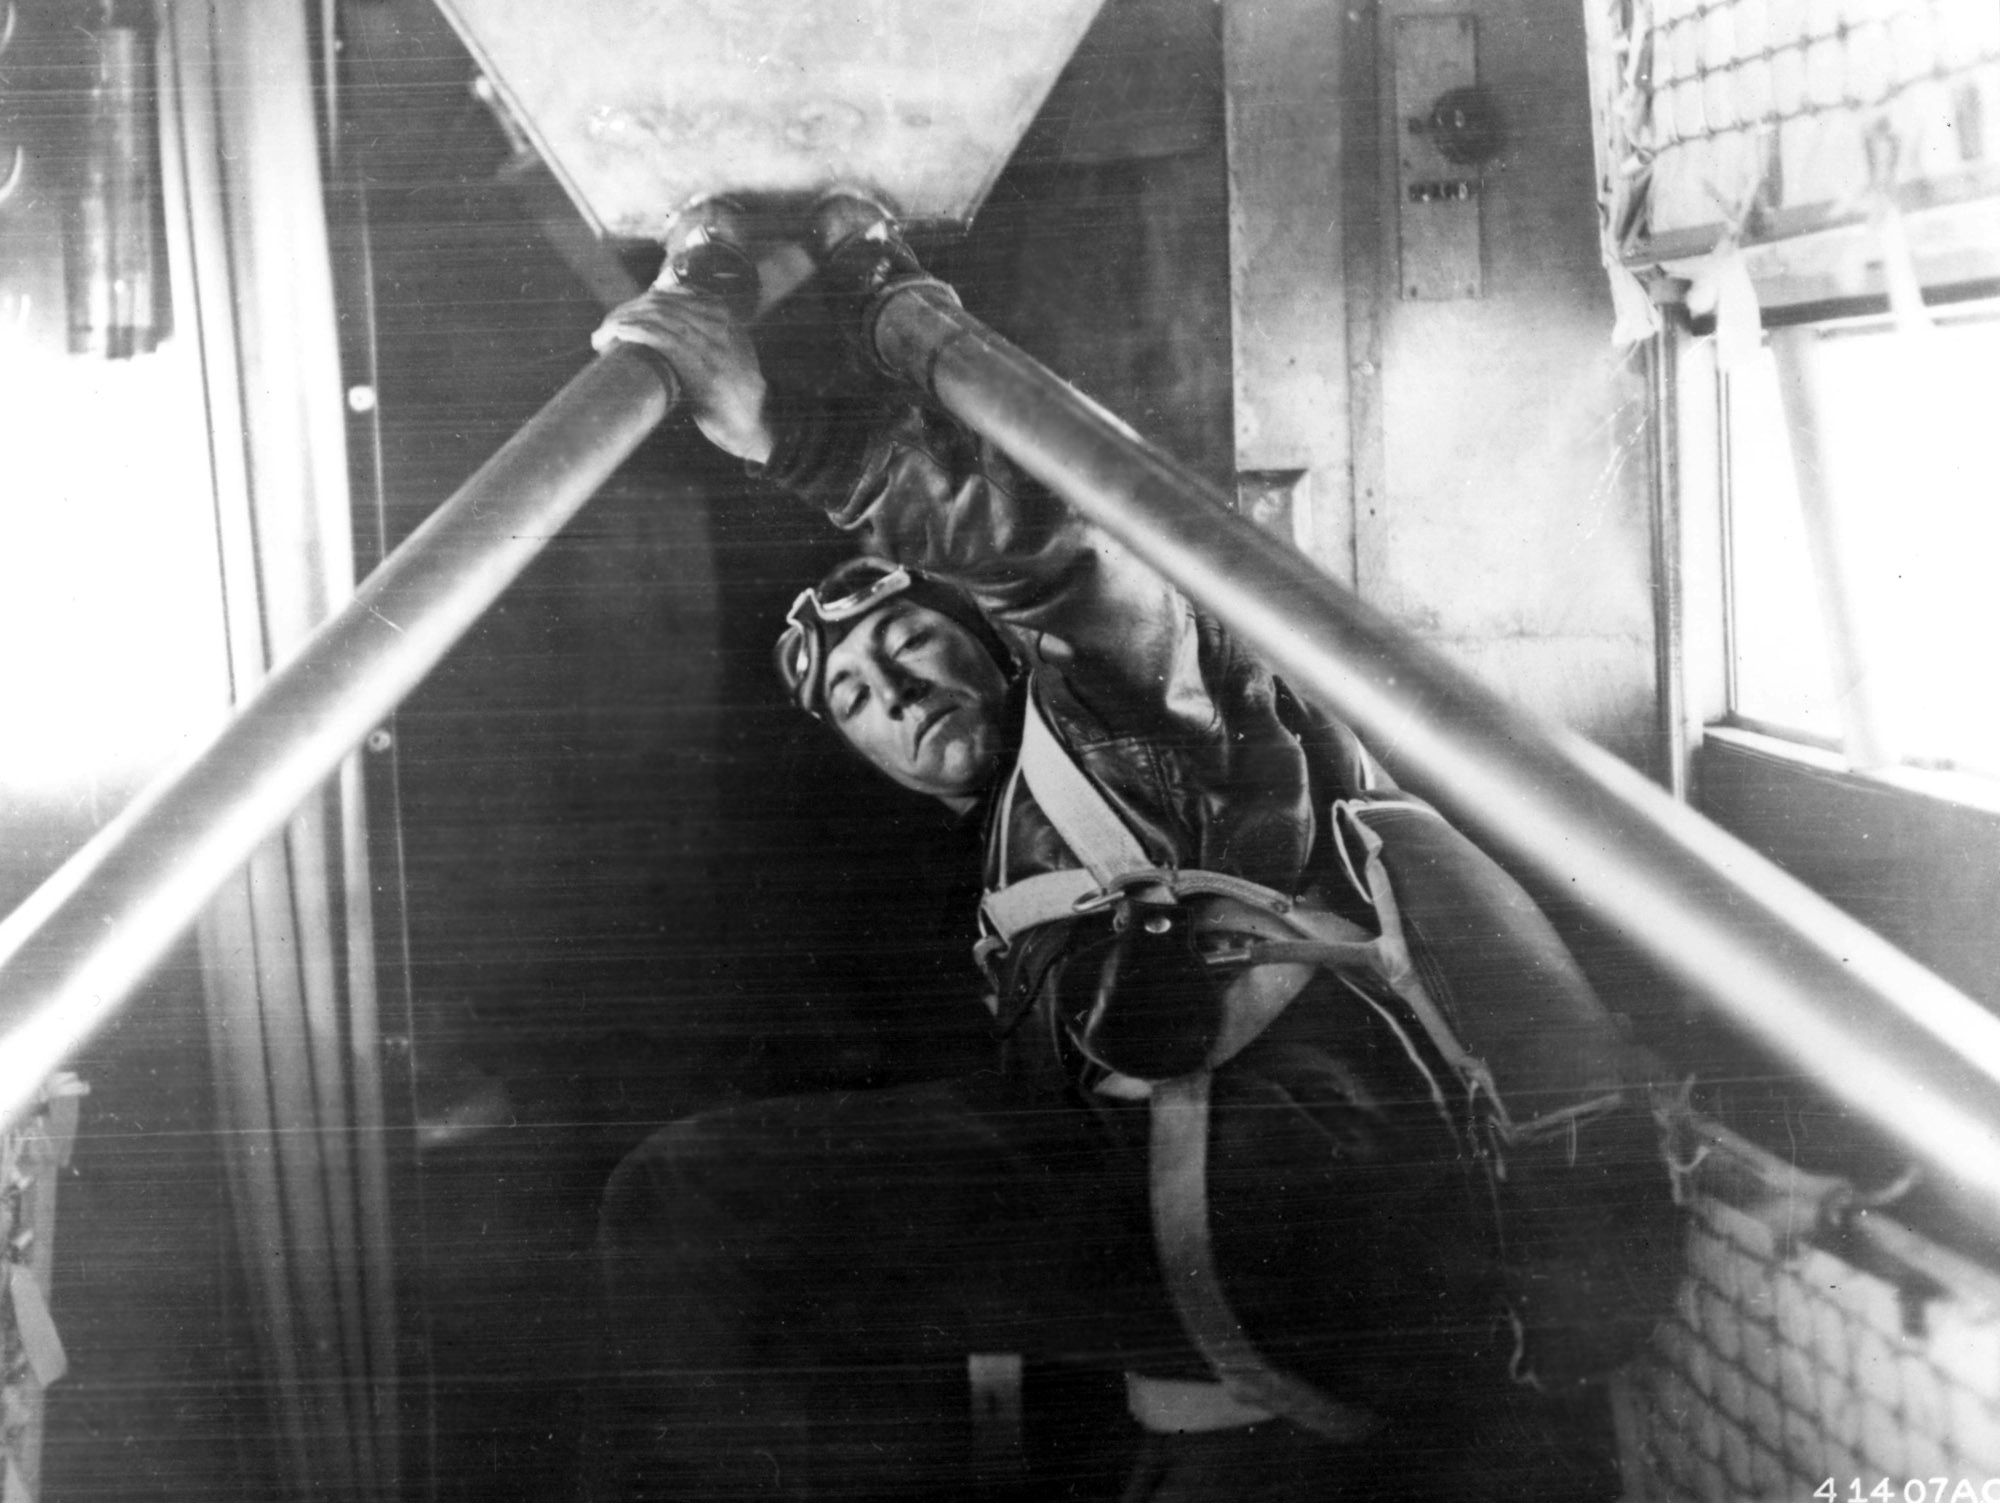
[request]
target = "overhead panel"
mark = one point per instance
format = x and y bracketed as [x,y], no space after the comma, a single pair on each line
[641,105]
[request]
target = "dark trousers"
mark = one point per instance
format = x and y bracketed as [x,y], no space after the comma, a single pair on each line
[793,1285]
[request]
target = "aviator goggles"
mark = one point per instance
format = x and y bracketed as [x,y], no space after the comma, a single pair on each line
[803,646]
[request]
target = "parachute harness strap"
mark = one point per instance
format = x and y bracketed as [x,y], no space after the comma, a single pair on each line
[1116,865]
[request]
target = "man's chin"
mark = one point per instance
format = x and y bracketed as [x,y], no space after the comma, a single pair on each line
[959,770]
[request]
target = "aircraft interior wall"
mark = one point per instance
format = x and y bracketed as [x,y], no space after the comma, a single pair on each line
[620,880]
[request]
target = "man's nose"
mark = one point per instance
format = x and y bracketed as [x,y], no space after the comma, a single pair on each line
[901,688]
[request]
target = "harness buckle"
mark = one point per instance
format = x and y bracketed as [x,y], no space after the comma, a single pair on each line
[1127,885]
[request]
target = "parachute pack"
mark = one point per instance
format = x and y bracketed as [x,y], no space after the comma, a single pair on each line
[1168,975]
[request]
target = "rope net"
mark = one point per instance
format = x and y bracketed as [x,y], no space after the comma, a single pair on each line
[1746,118]
[1808,1350]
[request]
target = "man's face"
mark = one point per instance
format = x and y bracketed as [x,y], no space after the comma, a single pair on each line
[915,693]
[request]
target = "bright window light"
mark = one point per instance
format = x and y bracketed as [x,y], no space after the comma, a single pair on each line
[110,596]
[1783,676]
[1909,428]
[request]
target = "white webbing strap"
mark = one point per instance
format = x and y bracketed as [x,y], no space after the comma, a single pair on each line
[1111,854]
[1179,1175]
[1085,820]
[1036,900]
[1184,1406]
[1048,896]
[1178,1149]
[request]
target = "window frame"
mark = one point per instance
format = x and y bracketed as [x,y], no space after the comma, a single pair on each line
[1698,577]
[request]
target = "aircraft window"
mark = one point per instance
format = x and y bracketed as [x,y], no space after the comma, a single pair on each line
[107,566]
[1865,614]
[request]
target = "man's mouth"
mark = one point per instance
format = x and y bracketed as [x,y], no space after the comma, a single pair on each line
[928,722]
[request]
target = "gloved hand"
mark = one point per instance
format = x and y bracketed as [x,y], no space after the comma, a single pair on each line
[861,253]
[712,357]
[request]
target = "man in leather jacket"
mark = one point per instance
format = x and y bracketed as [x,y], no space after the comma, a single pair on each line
[793,1284]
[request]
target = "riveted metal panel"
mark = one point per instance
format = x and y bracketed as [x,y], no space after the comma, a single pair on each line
[642,105]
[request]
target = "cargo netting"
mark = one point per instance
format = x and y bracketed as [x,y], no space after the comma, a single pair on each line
[1753,119]
[1819,1350]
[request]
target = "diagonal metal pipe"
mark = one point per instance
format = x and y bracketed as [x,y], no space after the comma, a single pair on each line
[80,945]
[1906,1050]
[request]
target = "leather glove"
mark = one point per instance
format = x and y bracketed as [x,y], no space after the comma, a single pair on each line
[711,354]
